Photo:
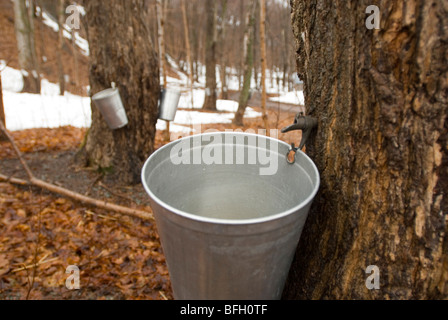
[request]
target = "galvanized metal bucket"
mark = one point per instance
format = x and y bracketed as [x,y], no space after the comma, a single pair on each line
[169,101]
[228,232]
[111,107]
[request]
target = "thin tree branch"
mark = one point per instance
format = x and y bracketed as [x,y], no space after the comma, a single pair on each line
[79,197]
[65,192]
[16,149]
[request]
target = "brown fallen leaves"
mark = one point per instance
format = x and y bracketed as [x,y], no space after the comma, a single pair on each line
[43,140]
[41,235]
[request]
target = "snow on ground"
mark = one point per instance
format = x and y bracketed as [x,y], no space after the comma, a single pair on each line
[161,125]
[12,80]
[50,110]
[221,105]
[191,118]
[46,110]
[291,97]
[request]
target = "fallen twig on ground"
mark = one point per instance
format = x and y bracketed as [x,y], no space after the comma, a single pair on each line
[65,192]
[34,265]
[114,193]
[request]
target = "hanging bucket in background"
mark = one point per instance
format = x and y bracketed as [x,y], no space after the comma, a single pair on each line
[169,102]
[228,232]
[111,107]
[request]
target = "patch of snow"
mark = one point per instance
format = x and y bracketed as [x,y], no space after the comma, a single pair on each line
[291,98]
[82,43]
[49,22]
[161,125]
[12,79]
[28,111]
[196,117]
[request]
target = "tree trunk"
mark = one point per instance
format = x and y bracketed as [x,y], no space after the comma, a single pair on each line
[249,36]
[255,48]
[24,28]
[210,57]
[75,59]
[263,62]
[161,39]
[121,51]
[188,48]
[61,15]
[162,56]
[242,33]
[222,53]
[380,97]
[285,59]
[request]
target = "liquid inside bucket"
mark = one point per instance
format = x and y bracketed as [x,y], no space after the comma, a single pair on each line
[235,191]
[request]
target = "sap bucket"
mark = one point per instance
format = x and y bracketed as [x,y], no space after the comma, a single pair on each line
[111,107]
[230,210]
[169,102]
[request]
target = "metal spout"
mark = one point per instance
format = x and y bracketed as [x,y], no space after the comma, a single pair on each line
[304,123]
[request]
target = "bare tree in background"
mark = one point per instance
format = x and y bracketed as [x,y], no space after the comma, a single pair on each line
[114,29]
[161,14]
[256,49]
[210,56]
[188,48]
[223,50]
[161,39]
[263,61]
[61,21]
[75,58]
[249,63]
[24,28]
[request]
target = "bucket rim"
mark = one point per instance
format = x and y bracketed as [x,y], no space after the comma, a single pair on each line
[218,221]
[103,94]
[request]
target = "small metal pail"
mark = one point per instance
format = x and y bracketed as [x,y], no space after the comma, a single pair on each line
[169,102]
[229,232]
[111,107]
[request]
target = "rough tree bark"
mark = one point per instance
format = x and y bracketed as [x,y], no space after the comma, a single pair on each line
[248,55]
[381,146]
[121,52]
[210,57]
[24,29]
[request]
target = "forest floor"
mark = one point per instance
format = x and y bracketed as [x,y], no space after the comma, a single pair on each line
[41,233]
[119,257]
